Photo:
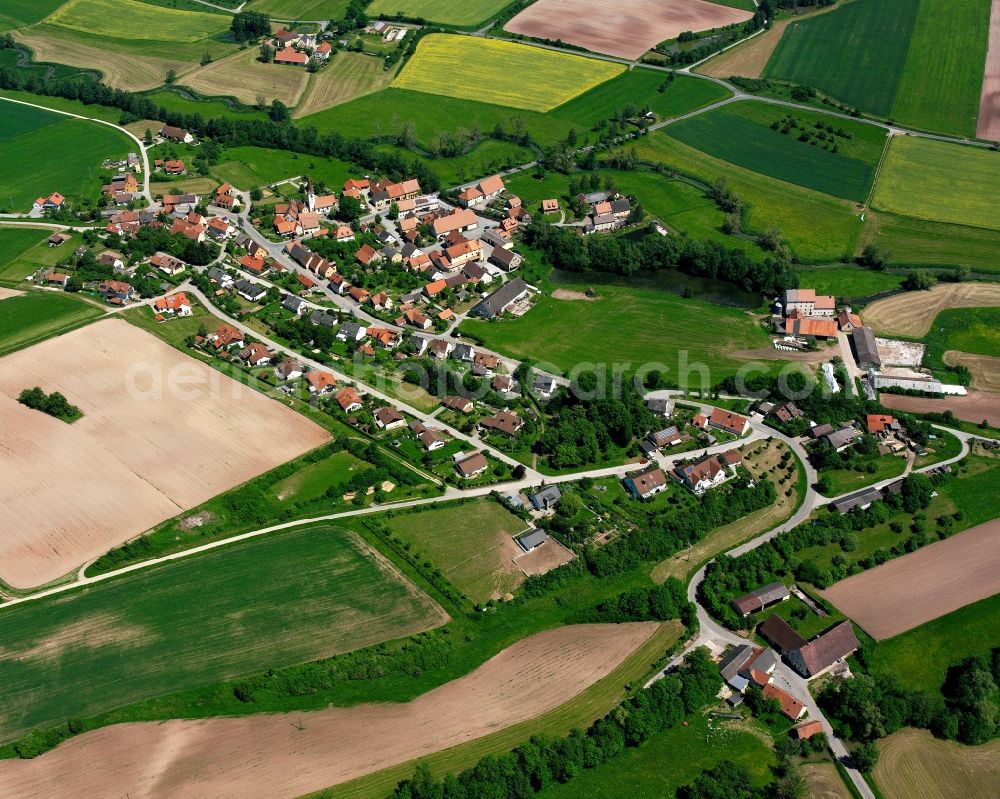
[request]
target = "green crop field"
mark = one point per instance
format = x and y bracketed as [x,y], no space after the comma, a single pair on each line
[817,227]
[941,80]
[855,53]
[638,326]
[474,69]
[487,157]
[300,9]
[107,113]
[972,330]
[641,88]
[471,544]
[31,317]
[208,108]
[742,134]
[673,758]
[941,182]
[30,140]
[21,262]
[461,13]
[149,22]
[17,13]
[248,167]
[267,602]
[918,242]
[15,242]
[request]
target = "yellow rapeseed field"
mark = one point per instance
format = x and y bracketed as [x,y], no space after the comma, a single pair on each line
[499,72]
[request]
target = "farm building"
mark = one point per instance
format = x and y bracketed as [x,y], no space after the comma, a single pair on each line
[761,598]
[865,349]
[779,634]
[824,651]
[791,707]
[530,541]
[808,303]
[502,299]
[859,499]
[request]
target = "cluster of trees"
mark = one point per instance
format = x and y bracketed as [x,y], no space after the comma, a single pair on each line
[545,761]
[150,240]
[300,332]
[247,25]
[581,431]
[564,249]
[54,404]
[966,709]
[727,577]
[659,603]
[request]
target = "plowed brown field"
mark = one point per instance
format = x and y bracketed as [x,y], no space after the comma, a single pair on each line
[623,28]
[988,123]
[139,455]
[916,588]
[974,407]
[288,755]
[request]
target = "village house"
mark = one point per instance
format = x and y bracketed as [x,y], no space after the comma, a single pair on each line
[291,57]
[504,385]
[288,370]
[485,364]
[507,260]
[167,263]
[296,305]
[220,277]
[503,422]
[226,337]
[471,466]
[459,221]
[501,300]
[550,206]
[824,651]
[116,292]
[667,437]
[417,319]
[175,304]
[808,303]
[882,425]
[729,422]
[786,412]
[458,404]
[250,291]
[257,267]
[113,259]
[385,193]
[661,407]
[848,321]
[483,193]
[352,332]
[703,474]
[255,355]
[53,201]
[349,400]
[320,382]
[645,484]
[54,278]
[797,325]
[388,418]
[791,707]
[431,439]
[842,438]
[780,634]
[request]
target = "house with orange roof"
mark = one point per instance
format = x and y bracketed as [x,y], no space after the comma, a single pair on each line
[54,200]
[225,337]
[255,266]
[349,400]
[460,221]
[343,233]
[174,167]
[358,294]
[882,425]
[177,304]
[320,382]
[550,206]
[367,255]
[291,57]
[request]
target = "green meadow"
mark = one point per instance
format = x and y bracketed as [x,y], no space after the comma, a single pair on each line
[264,603]
[249,167]
[972,330]
[919,242]
[46,152]
[460,13]
[18,13]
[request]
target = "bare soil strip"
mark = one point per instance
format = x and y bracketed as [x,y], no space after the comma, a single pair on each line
[988,124]
[916,588]
[912,313]
[623,28]
[161,433]
[291,754]
[747,60]
[6,294]
[974,407]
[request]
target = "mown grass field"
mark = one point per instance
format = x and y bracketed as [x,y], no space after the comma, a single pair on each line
[641,88]
[106,113]
[145,21]
[300,9]
[265,603]
[348,75]
[848,282]
[249,167]
[915,764]
[941,182]
[312,482]
[461,13]
[17,13]
[845,480]
[467,543]
[919,242]
[32,168]
[501,72]
[941,80]
[208,108]
[31,317]
[244,77]
[741,134]
[487,157]
[30,252]
[624,325]
[856,53]
[673,758]
[817,227]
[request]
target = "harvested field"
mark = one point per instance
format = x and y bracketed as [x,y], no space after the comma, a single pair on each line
[8,293]
[748,59]
[973,407]
[148,21]
[244,77]
[123,71]
[985,368]
[192,185]
[916,588]
[988,122]
[161,433]
[912,313]
[824,781]
[473,65]
[623,28]
[349,75]
[288,755]
[916,765]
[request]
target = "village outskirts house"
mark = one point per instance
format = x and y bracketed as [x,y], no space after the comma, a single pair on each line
[645,484]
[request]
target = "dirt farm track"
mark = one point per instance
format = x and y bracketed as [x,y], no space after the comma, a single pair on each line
[139,455]
[916,588]
[623,28]
[269,756]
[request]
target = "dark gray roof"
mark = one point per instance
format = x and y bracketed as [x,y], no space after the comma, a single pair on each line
[246,287]
[865,349]
[529,541]
[842,437]
[731,664]
[217,274]
[324,318]
[292,303]
[546,497]
[497,302]
[859,499]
